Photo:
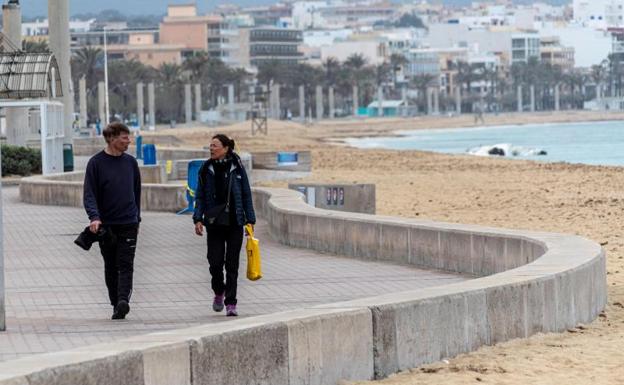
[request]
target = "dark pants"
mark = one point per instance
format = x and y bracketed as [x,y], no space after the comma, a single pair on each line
[224,246]
[119,261]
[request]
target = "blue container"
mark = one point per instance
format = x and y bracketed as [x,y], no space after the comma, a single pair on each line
[149,154]
[139,146]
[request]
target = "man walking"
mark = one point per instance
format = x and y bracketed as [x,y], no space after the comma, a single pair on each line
[112,199]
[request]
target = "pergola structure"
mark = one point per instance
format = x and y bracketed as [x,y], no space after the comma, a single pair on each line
[31,80]
[29,75]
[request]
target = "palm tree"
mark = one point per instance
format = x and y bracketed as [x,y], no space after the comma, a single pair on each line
[217,76]
[599,75]
[615,73]
[197,64]
[355,61]
[87,62]
[397,63]
[238,77]
[170,98]
[331,67]
[122,78]
[421,83]
[467,74]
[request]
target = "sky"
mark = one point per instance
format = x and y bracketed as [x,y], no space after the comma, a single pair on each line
[32,8]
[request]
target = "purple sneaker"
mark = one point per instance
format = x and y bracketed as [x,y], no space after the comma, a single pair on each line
[217,303]
[230,310]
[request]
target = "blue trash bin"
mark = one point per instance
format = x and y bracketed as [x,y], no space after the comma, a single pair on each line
[149,154]
[139,146]
[191,184]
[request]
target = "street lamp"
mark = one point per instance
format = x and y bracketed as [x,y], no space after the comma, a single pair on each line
[106,105]
[2,304]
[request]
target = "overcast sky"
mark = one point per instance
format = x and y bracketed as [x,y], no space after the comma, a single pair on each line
[32,8]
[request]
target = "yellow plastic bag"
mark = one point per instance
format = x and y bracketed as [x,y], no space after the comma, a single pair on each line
[254,270]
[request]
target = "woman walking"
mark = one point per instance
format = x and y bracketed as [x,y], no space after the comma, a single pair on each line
[223,204]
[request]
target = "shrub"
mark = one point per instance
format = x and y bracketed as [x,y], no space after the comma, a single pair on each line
[20,160]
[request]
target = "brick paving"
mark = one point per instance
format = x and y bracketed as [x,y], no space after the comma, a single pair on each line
[56,298]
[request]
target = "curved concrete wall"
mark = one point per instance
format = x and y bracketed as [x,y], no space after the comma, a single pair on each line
[532,282]
[66,190]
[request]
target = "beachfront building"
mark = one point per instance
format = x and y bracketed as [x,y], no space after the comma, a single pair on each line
[341,14]
[554,53]
[373,50]
[269,44]
[524,46]
[591,46]
[494,40]
[439,63]
[208,33]
[40,27]
[268,15]
[599,13]
[126,36]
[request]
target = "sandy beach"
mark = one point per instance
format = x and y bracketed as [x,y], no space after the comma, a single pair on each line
[557,197]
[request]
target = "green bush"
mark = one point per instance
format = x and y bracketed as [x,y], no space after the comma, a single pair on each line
[20,160]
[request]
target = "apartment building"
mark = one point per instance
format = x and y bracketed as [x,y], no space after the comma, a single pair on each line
[599,13]
[268,44]
[524,46]
[553,52]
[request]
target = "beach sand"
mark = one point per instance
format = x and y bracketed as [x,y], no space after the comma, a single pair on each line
[557,197]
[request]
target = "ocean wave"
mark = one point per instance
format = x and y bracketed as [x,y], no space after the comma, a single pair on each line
[506,149]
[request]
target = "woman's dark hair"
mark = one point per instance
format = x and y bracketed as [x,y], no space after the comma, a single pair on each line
[226,142]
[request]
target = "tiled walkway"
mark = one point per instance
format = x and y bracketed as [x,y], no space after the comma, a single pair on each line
[56,297]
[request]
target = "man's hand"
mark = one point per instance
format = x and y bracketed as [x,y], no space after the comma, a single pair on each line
[95,225]
[252,229]
[199,228]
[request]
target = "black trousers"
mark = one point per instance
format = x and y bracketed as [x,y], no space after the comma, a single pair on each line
[119,261]
[224,246]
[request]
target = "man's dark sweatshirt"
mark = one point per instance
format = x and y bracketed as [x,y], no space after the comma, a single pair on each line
[112,189]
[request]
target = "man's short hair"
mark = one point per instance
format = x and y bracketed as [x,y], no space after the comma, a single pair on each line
[113,130]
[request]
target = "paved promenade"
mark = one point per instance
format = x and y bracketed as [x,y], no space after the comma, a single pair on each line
[56,297]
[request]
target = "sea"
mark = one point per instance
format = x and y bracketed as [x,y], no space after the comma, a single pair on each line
[595,143]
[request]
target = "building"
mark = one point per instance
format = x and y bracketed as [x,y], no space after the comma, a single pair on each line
[341,14]
[95,37]
[269,15]
[524,46]
[374,51]
[40,27]
[268,44]
[153,55]
[599,13]
[436,62]
[210,33]
[591,46]
[553,52]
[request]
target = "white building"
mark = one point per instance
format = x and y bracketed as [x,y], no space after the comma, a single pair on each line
[483,40]
[319,38]
[591,46]
[375,52]
[40,27]
[599,13]
[524,46]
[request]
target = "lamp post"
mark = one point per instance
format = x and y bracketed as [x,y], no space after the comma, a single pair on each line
[2,307]
[106,105]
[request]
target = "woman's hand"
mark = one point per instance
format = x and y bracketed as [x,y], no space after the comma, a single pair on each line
[199,228]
